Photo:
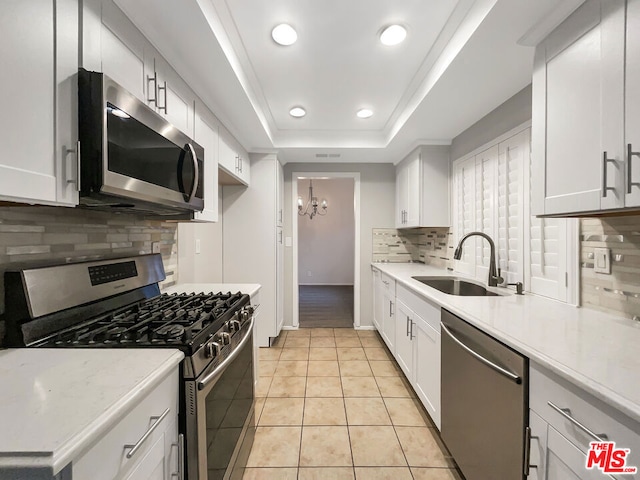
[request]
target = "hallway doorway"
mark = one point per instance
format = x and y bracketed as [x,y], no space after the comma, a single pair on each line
[326,253]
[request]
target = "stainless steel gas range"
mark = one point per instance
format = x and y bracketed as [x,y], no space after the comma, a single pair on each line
[117,304]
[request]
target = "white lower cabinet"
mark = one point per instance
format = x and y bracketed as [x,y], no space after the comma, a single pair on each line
[427,364]
[418,347]
[389,320]
[564,420]
[410,326]
[404,338]
[146,433]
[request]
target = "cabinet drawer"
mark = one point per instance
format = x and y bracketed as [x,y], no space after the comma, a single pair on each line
[421,306]
[107,458]
[388,283]
[547,389]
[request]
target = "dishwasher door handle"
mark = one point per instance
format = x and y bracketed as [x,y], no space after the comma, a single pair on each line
[488,363]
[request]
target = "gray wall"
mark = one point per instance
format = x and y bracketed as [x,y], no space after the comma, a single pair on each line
[326,243]
[377,205]
[510,114]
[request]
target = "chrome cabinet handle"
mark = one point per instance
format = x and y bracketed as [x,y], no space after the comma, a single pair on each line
[234,353]
[180,445]
[489,363]
[411,335]
[527,451]
[630,155]
[134,448]
[390,308]
[407,334]
[566,413]
[153,79]
[78,168]
[164,107]
[196,169]
[605,161]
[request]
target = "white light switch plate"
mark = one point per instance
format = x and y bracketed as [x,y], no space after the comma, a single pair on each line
[602,260]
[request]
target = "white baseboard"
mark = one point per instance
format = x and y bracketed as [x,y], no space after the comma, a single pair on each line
[365,327]
[325,284]
[289,327]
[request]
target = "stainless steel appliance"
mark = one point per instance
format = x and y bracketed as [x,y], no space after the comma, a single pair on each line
[484,396]
[131,158]
[117,304]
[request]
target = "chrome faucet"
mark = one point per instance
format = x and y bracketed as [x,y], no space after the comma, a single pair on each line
[494,273]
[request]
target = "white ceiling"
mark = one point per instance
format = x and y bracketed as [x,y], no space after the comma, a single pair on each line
[460,60]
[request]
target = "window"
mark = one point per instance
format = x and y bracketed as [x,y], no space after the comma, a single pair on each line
[491,192]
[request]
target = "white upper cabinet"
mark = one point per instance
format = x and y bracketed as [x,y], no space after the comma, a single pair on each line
[39,52]
[578,113]
[632,104]
[422,188]
[206,135]
[233,161]
[112,44]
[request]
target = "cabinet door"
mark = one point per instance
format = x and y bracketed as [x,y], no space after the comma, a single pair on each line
[427,366]
[404,336]
[279,278]
[537,447]
[578,112]
[412,217]
[174,98]
[122,51]
[280,196]
[206,134]
[565,461]
[377,301]
[401,194]
[28,98]
[388,321]
[244,166]
[152,466]
[632,104]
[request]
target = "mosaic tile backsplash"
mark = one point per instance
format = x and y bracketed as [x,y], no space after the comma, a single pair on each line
[433,246]
[618,293]
[33,234]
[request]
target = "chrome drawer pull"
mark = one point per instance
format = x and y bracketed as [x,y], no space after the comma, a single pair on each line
[138,444]
[566,413]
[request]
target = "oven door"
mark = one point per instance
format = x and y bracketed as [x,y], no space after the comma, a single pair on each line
[220,419]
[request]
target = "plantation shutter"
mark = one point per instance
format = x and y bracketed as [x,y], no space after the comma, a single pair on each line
[464,211]
[486,218]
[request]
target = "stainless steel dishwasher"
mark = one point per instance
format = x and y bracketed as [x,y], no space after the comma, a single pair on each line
[485,391]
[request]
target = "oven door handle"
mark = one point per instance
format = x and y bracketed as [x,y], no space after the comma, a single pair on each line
[202,384]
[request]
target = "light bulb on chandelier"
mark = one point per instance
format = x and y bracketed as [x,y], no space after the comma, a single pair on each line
[311,207]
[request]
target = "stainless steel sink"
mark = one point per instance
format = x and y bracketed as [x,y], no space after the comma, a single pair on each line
[457,286]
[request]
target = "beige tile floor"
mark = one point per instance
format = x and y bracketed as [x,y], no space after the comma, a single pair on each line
[333,404]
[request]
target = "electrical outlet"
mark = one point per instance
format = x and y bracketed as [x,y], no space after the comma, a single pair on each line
[308,273]
[197,246]
[602,261]
[155,247]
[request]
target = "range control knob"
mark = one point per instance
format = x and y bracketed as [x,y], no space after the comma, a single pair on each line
[211,349]
[234,325]
[224,338]
[245,313]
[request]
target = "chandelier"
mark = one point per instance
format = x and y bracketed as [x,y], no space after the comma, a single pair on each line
[311,207]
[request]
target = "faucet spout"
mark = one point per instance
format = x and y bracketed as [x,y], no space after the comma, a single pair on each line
[494,273]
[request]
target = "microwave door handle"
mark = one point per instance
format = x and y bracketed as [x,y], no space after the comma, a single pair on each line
[196,170]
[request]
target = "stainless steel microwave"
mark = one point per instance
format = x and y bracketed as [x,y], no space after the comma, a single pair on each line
[131,158]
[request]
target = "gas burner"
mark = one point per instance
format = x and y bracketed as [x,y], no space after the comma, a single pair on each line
[168,333]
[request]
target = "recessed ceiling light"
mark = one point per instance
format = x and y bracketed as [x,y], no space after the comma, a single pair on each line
[284,34]
[393,35]
[364,113]
[297,112]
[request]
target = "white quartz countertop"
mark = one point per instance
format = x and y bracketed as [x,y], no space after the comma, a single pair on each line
[56,402]
[594,350]
[249,288]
